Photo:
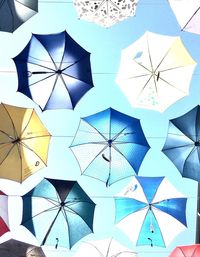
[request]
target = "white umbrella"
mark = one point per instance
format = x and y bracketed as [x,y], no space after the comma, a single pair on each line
[187,13]
[151,211]
[105,12]
[155,71]
[104,248]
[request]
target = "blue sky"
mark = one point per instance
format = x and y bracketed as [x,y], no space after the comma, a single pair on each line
[105,46]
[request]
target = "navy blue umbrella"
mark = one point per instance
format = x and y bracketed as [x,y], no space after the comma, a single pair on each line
[58,212]
[13,13]
[109,146]
[182,147]
[54,71]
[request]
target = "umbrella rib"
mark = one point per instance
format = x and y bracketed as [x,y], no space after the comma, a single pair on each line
[99,132]
[174,147]
[14,129]
[142,89]
[169,84]
[27,147]
[41,80]
[40,65]
[54,63]
[188,157]
[7,154]
[100,253]
[100,6]
[149,55]
[190,18]
[173,68]
[114,4]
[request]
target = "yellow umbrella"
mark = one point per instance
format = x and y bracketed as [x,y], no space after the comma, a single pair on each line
[24,143]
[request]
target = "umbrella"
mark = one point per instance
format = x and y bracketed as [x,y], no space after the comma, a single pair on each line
[24,142]
[105,12]
[150,211]
[104,248]
[4,221]
[15,248]
[155,71]
[58,212]
[109,146]
[186,251]
[13,13]
[182,147]
[54,71]
[187,14]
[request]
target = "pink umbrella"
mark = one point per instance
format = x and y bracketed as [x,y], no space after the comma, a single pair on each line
[186,251]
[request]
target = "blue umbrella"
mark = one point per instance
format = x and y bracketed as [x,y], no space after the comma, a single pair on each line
[54,71]
[151,211]
[182,147]
[58,212]
[13,13]
[109,146]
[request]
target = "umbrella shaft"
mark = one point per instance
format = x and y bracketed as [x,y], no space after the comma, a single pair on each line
[198,216]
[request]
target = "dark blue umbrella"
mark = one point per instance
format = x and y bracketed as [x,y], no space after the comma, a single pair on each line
[58,212]
[13,13]
[54,71]
[182,147]
[151,211]
[109,146]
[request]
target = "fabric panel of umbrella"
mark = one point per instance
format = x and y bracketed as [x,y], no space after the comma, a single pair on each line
[108,247]
[186,251]
[155,71]
[151,211]
[13,13]
[54,71]
[105,13]
[15,248]
[187,14]
[24,143]
[58,212]
[109,146]
[4,219]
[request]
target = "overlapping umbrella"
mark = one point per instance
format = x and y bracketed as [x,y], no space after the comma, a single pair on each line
[105,12]
[24,142]
[15,248]
[58,212]
[151,211]
[109,146]
[54,71]
[13,13]
[187,14]
[186,251]
[4,219]
[108,247]
[155,71]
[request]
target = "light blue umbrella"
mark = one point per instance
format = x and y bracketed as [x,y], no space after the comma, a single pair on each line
[58,212]
[109,146]
[151,211]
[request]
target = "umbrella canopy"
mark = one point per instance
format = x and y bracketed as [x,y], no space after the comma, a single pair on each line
[182,144]
[187,14]
[109,146]
[104,248]
[15,248]
[186,251]
[150,211]
[155,71]
[24,142]
[4,219]
[105,12]
[58,212]
[54,71]
[13,13]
